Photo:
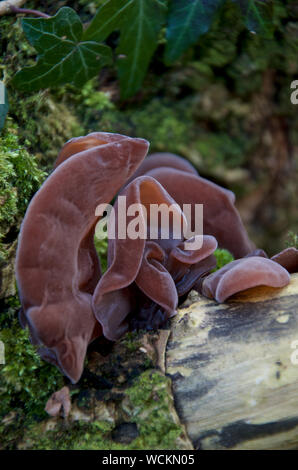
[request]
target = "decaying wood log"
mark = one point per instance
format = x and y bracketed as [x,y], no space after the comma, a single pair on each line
[234,381]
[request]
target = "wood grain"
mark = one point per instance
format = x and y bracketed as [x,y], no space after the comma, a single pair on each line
[235,386]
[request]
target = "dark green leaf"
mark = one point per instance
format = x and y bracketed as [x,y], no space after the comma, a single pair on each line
[3,104]
[64,56]
[110,17]
[257,15]
[188,20]
[139,23]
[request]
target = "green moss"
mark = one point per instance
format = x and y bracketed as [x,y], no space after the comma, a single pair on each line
[292,240]
[151,400]
[143,397]
[223,257]
[167,128]
[131,341]
[26,381]
[24,174]
[220,150]
[101,246]
[8,311]
[148,404]
[8,194]
[20,178]
[219,46]
[92,98]
[74,436]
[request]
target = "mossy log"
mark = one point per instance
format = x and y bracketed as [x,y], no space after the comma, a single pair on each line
[221,378]
[232,366]
[123,401]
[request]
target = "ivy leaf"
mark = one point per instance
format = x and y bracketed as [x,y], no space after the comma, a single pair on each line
[64,57]
[138,41]
[110,16]
[139,23]
[257,15]
[3,104]
[187,21]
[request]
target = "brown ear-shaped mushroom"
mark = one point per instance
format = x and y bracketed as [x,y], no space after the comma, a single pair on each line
[221,218]
[85,142]
[163,159]
[156,161]
[112,301]
[138,289]
[243,274]
[188,266]
[154,279]
[257,252]
[59,403]
[56,273]
[288,258]
[170,271]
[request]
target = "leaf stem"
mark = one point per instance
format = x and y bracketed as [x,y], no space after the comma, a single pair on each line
[27,11]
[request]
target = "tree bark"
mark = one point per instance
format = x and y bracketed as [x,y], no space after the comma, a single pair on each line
[234,381]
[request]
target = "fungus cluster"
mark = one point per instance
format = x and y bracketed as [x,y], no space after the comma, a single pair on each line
[67,302]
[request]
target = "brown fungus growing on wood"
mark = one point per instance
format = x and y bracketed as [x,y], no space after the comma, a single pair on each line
[66,303]
[288,258]
[145,276]
[59,403]
[57,267]
[221,218]
[79,144]
[243,274]
[163,159]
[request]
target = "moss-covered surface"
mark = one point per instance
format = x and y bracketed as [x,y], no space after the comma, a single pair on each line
[147,407]
[222,257]
[292,240]
[26,381]
[117,393]
[20,177]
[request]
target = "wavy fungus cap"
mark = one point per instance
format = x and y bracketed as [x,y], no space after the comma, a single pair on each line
[142,272]
[243,274]
[79,144]
[163,159]
[182,182]
[288,258]
[57,267]
[221,218]
[66,303]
